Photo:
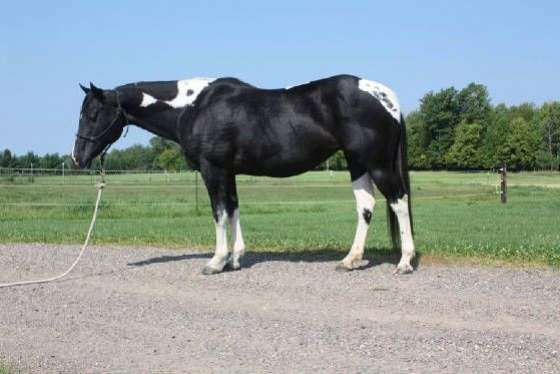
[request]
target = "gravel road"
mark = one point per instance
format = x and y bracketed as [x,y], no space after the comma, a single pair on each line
[149,309]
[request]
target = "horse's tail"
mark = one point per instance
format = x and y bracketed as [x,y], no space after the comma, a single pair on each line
[401,167]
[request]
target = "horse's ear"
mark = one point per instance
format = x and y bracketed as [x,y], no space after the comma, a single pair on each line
[98,92]
[85,89]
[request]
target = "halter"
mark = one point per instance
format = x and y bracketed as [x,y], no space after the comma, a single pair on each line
[95,139]
[120,112]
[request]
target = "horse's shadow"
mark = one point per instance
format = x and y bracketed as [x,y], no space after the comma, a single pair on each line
[373,257]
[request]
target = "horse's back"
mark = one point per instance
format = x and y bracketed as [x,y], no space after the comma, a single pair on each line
[281,132]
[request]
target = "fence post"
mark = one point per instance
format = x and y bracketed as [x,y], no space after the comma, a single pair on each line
[503,184]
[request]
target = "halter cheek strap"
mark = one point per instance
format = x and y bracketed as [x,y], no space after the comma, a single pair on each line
[95,139]
[120,112]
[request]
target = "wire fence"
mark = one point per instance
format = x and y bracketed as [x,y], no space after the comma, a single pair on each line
[66,176]
[69,176]
[60,176]
[41,187]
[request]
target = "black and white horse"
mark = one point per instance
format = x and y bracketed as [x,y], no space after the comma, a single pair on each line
[227,127]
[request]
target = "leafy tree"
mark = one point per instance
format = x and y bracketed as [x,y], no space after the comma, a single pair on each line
[28,160]
[549,129]
[6,159]
[417,140]
[171,159]
[497,132]
[440,113]
[521,146]
[160,145]
[465,153]
[545,160]
[136,157]
[337,161]
[526,111]
[51,161]
[474,104]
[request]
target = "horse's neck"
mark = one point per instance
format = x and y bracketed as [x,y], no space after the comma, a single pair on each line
[162,123]
[149,117]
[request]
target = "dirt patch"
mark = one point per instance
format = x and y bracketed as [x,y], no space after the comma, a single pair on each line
[149,309]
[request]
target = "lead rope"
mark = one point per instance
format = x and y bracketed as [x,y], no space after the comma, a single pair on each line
[100,186]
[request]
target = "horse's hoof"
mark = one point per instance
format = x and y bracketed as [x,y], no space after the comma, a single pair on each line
[403,269]
[232,266]
[342,267]
[208,270]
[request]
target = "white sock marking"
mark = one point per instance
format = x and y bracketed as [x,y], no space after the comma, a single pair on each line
[237,235]
[384,95]
[400,207]
[222,252]
[363,192]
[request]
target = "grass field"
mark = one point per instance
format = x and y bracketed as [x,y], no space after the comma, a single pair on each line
[455,214]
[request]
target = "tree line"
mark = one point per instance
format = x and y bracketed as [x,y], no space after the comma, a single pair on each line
[452,129]
[159,154]
[462,130]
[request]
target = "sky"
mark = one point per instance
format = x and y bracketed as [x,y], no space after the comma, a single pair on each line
[48,47]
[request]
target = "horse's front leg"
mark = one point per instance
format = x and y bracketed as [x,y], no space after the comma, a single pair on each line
[238,242]
[223,197]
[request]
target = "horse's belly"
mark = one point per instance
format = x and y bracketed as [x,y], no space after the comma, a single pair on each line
[285,158]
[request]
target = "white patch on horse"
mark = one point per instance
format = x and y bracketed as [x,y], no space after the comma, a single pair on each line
[400,207]
[188,90]
[147,100]
[221,254]
[384,95]
[237,236]
[365,203]
[302,84]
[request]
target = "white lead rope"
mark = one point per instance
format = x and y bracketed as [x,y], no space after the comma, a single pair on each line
[100,187]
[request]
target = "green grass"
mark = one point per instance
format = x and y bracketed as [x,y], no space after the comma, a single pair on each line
[456,214]
[5,369]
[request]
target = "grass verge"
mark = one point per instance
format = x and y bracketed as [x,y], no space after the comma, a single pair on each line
[457,216]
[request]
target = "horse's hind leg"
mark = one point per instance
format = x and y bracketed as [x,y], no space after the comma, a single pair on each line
[392,187]
[363,192]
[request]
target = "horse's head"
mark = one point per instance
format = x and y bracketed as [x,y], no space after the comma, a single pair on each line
[101,123]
